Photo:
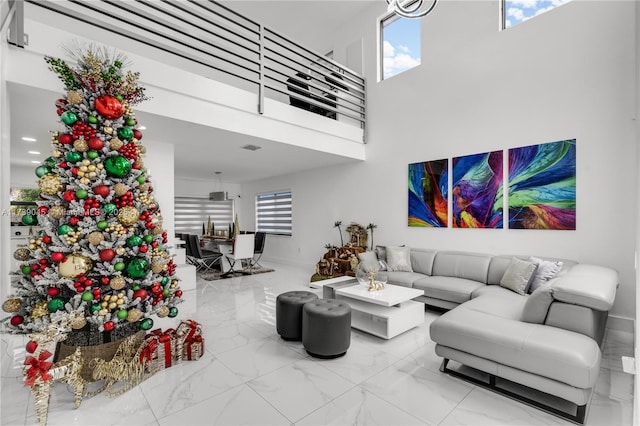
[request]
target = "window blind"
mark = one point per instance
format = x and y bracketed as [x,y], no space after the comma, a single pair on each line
[274,213]
[192,212]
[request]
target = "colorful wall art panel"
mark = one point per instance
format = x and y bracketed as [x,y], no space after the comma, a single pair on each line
[542,186]
[477,190]
[427,194]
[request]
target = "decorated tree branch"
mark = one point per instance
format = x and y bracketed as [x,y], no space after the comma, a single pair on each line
[101,254]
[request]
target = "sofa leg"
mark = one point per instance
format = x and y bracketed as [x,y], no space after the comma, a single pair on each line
[443,366]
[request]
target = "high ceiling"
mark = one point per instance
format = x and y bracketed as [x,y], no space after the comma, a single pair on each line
[205,150]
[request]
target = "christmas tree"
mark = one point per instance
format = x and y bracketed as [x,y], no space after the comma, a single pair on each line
[101,253]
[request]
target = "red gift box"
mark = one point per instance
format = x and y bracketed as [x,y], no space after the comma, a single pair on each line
[192,351]
[160,349]
[190,332]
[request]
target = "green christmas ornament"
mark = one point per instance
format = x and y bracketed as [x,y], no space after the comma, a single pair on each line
[125,133]
[56,304]
[109,208]
[141,179]
[173,312]
[50,161]
[166,292]
[164,281]
[42,170]
[122,314]
[134,241]
[26,269]
[92,155]
[130,122]
[148,238]
[137,267]
[29,219]
[119,266]
[69,117]
[92,119]
[146,324]
[87,296]
[64,229]
[73,156]
[95,308]
[119,97]
[117,166]
[82,193]
[102,225]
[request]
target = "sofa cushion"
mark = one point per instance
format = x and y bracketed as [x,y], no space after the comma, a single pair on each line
[518,275]
[368,257]
[422,260]
[398,259]
[546,270]
[453,289]
[537,306]
[500,263]
[405,279]
[587,285]
[471,266]
[551,352]
[497,301]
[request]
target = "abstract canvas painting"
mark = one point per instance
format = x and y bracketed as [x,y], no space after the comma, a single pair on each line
[427,194]
[542,186]
[477,190]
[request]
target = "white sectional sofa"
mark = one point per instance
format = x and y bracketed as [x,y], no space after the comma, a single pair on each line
[547,340]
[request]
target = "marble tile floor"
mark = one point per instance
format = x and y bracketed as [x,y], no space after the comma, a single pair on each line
[249,376]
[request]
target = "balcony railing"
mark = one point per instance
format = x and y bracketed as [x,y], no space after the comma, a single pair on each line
[225,46]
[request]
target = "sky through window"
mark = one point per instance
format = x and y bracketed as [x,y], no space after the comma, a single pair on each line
[400,45]
[517,11]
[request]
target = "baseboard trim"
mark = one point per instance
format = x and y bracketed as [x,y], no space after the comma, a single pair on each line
[615,322]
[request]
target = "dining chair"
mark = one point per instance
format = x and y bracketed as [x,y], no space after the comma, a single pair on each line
[202,261]
[260,238]
[242,250]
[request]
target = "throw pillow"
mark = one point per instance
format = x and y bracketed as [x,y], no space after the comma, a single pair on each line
[368,257]
[398,259]
[545,271]
[537,305]
[518,274]
[381,252]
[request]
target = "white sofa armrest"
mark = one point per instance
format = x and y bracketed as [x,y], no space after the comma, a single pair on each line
[587,285]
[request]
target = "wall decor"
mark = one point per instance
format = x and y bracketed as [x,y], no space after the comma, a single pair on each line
[477,190]
[428,182]
[542,186]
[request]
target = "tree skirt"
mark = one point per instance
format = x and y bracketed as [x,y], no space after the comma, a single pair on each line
[217,275]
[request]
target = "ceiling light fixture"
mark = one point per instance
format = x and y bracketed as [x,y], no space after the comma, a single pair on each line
[410,9]
[28,139]
[36,161]
[34,152]
[251,147]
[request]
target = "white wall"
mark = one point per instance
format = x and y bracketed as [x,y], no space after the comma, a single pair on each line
[565,74]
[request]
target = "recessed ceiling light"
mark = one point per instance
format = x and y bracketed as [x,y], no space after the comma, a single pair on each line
[34,152]
[28,139]
[251,147]
[35,162]
[142,128]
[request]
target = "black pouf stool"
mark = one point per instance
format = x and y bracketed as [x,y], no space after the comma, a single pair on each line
[326,328]
[289,313]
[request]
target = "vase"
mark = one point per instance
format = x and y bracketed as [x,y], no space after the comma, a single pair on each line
[373,275]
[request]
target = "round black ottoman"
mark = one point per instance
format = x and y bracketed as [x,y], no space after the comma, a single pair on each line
[289,313]
[326,328]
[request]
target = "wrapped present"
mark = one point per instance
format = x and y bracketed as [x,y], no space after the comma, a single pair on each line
[192,351]
[188,329]
[161,350]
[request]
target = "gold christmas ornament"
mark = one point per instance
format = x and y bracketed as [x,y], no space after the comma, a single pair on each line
[78,322]
[39,310]
[74,97]
[142,149]
[157,230]
[164,311]
[120,251]
[50,184]
[144,187]
[115,144]
[12,305]
[134,315]
[128,215]
[117,283]
[120,189]
[74,265]
[95,238]
[157,267]
[107,130]
[21,253]
[57,212]
[56,153]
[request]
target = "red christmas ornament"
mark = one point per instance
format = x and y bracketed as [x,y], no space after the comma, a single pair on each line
[60,105]
[69,196]
[101,190]
[109,326]
[95,143]
[31,346]
[108,107]
[143,249]
[137,134]
[42,210]
[16,320]
[142,294]
[53,291]
[65,139]
[73,221]
[107,255]
[64,165]
[57,256]
[179,293]
[105,280]
[46,239]
[75,170]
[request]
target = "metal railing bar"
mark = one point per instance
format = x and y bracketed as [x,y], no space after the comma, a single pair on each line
[209,21]
[220,5]
[77,16]
[164,23]
[357,105]
[331,61]
[296,70]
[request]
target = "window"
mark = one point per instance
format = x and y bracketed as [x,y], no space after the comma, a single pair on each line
[399,45]
[192,214]
[273,213]
[517,11]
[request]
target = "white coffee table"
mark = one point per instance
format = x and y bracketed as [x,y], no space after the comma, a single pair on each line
[385,313]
